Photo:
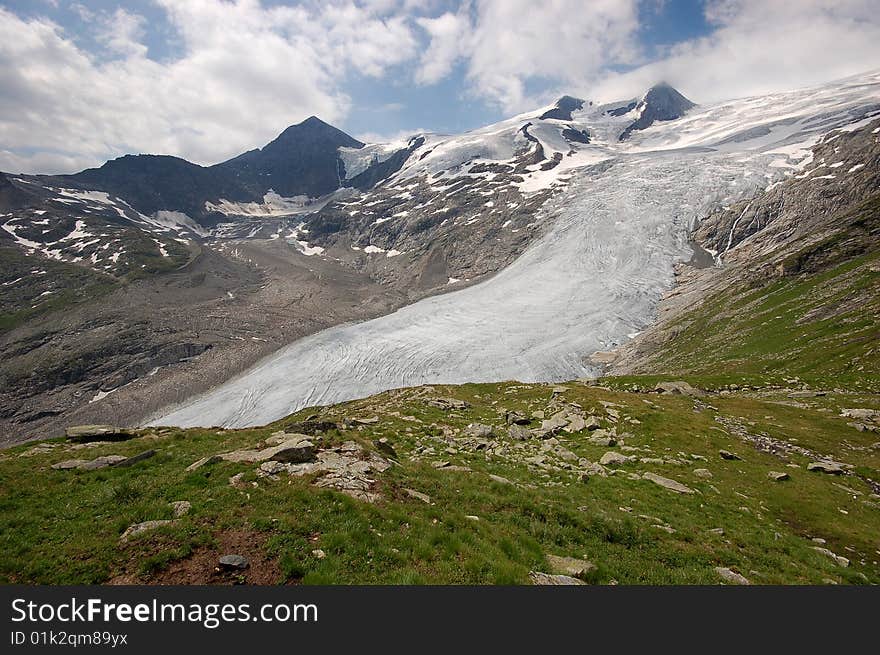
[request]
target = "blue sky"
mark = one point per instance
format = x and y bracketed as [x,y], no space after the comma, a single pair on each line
[206,79]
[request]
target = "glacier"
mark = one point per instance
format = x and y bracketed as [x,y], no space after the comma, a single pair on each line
[613,233]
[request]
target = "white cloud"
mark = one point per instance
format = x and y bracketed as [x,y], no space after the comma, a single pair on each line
[246,72]
[761,46]
[506,45]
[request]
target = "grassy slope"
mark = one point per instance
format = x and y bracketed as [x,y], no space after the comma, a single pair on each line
[64,526]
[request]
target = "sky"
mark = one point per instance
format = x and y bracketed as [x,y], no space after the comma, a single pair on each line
[85,81]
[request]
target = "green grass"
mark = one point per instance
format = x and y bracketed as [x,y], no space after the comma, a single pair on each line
[64,527]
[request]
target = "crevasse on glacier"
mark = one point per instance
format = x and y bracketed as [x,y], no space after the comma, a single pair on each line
[594,277]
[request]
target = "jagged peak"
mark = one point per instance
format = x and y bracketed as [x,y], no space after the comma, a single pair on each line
[563,108]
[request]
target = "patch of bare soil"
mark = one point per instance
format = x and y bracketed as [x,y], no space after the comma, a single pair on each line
[203,568]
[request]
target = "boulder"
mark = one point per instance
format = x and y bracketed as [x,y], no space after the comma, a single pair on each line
[838,559]
[519,432]
[418,495]
[69,464]
[272,467]
[539,578]
[726,454]
[499,479]
[592,469]
[86,433]
[575,424]
[833,468]
[180,507]
[612,458]
[103,462]
[705,474]
[679,387]
[204,461]
[666,483]
[569,565]
[89,465]
[516,418]
[233,562]
[139,528]
[295,451]
[778,476]
[731,576]
[479,430]
[861,413]
[592,423]
[134,459]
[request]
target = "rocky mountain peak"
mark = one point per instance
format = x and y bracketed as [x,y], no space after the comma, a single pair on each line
[563,108]
[661,102]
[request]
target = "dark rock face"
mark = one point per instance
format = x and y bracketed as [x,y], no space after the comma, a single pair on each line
[625,109]
[578,136]
[661,103]
[564,106]
[11,196]
[153,182]
[303,160]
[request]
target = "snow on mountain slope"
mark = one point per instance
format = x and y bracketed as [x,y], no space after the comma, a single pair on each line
[591,280]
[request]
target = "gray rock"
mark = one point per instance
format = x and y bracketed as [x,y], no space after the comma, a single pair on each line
[612,458]
[861,413]
[272,467]
[591,470]
[479,430]
[517,418]
[539,578]
[666,483]
[295,451]
[519,432]
[575,424]
[204,461]
[134,459]
[778,476]
[180,507]
[89,465]
[569,565]
[833,468]
[69,464]
[499,479]
[731,576]
[592,423]
[233,562]
[838,559]
[139,528]
[103,462]
[726,454]
[678,387]
[703,473]
[412,493]
[84,433]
